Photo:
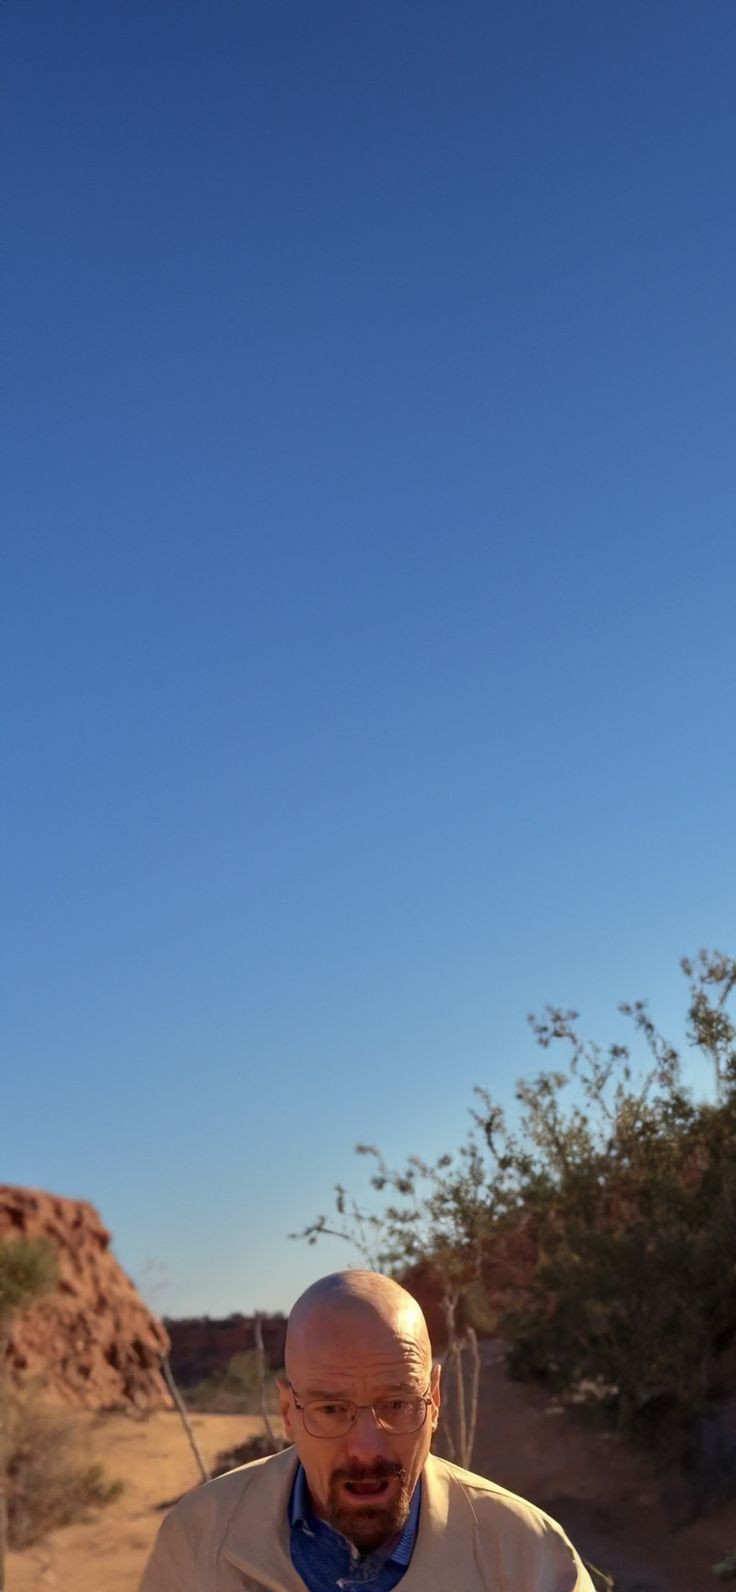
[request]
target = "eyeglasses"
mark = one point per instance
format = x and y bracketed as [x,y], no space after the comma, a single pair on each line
[334,1417]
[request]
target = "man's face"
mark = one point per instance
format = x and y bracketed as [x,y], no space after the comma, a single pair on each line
[361,1483]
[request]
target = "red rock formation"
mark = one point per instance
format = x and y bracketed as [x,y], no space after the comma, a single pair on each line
[203,1344]
[93,1341]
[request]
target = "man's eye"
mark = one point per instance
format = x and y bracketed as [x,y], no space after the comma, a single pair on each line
[396,1406]
[331,1409]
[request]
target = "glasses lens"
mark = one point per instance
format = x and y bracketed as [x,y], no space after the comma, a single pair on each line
[401,1415]
[328,1420]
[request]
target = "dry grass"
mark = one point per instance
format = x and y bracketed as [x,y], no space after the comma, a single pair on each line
[49,1481]
[109,1549]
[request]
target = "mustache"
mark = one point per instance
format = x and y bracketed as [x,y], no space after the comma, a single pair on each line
[383,1470]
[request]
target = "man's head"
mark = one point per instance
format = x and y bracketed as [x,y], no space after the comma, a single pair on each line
[357,1338]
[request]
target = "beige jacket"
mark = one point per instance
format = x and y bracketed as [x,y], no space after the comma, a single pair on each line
[232,1535]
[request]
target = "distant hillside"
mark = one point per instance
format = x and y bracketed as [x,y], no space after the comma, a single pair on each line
[201,1345]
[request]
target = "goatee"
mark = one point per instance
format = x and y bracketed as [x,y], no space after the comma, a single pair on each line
[369,1526]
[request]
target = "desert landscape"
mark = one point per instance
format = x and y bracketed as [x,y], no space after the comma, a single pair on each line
[369,869]
[603,1495]
[92,1352]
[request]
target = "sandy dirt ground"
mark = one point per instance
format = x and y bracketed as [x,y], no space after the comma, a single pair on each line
[107,1553]
[606,1498]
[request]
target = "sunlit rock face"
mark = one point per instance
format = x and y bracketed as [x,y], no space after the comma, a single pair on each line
[92,1342]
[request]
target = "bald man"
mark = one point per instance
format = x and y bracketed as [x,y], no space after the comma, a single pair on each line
[358,1501]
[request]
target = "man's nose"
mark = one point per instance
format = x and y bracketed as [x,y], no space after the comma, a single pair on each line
[366,1442]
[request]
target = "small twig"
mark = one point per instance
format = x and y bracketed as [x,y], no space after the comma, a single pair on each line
[46,1567]
[472,1339]
[601,1580]
[275,1441]
[462,1428]
[184,1417]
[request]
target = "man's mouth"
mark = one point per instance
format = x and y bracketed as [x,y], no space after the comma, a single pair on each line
[367,1489]
[369,1506]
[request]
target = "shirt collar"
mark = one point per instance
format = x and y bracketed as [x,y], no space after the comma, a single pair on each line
[302,1514]
[300,1509]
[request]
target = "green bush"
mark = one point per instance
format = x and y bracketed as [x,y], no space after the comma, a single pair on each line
[28,1268]
[632,1296]
[234,1389]
[615,1217]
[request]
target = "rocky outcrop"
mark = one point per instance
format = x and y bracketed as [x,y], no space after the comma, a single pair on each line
[92,1342]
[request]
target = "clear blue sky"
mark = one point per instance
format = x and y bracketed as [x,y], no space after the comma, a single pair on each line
[368,582]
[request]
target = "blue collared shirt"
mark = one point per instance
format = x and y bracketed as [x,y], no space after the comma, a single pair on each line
[325,1559]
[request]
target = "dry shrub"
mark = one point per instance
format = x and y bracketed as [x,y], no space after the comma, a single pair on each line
[29,1267]
[612,1214]
[235,1389]
[48,1481]
[257,1447]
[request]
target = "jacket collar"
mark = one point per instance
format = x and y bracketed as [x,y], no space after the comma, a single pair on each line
[256,1539]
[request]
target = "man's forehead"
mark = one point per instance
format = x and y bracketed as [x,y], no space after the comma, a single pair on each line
[355,1339]
[360,1323]
[329,1374]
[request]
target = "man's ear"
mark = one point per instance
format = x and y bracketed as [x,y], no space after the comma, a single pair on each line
[284,1393]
